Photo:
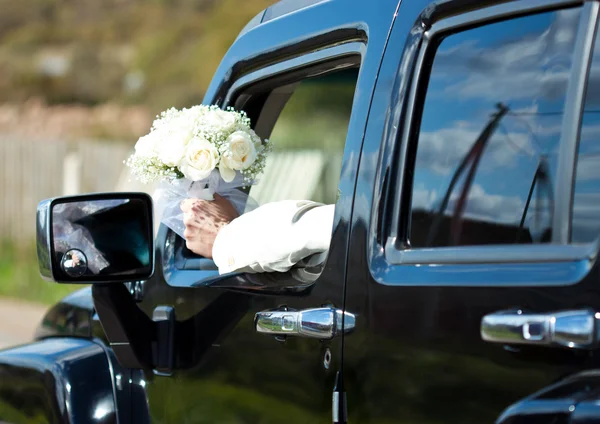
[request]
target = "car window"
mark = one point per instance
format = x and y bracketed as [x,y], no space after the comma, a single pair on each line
[586,199]
[486,151]
[306,122]
[308,139]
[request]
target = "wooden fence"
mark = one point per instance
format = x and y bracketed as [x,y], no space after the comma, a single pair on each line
[31,171]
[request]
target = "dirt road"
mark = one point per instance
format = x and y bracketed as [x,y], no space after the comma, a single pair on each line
[18,321]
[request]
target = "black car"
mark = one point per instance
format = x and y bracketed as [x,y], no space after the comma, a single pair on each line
[461,284]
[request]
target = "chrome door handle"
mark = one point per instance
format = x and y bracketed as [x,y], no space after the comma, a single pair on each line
[318,323]
[574,329]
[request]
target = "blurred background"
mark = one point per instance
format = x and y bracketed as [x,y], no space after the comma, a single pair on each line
[82,80]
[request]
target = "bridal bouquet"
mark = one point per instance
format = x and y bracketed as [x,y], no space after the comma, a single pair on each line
[197,152]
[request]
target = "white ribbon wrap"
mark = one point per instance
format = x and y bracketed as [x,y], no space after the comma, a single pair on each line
[169,195]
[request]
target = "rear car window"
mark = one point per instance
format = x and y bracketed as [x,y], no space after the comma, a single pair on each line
[487,147]
[586,200]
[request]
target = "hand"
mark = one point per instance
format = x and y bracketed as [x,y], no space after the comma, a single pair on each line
[203,219]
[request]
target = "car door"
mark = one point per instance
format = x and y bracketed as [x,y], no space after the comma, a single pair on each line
[475,230]
[305,80]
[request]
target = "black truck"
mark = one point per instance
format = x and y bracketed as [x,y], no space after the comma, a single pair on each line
[461,283]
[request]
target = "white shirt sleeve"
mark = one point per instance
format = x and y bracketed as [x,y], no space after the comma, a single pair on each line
[274,237]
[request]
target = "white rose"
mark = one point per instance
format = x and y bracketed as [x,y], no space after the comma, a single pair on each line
[200,158]
[146,145]
[238,151]
[172,149]
[227,174]
[221,119]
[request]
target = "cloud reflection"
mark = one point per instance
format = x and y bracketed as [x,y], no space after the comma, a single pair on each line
[511,68]
[524,64]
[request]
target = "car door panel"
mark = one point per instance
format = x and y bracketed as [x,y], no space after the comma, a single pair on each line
[418,354]
[223,370]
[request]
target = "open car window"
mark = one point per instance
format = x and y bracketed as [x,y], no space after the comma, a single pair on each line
[308,137]
[306,122]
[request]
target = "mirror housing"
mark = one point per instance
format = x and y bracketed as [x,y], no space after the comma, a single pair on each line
[96,238]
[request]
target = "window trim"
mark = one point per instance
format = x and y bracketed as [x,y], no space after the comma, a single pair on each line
[298,68]
[488,254]
[396,250]
[571,125]
[196,272]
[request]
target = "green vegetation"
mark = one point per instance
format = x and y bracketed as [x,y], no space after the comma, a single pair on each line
[20,278]
[149,53]
[326,103]
[154,52]
[9,412]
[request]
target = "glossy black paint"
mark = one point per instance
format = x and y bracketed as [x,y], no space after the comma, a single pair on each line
[73,316]
[58,380]
[557,402]
[71,350]
[417,353]
[224,370]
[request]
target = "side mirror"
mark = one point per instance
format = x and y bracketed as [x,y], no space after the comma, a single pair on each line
[96,238]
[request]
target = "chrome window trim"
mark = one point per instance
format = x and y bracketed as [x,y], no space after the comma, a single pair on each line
[503,11]
[488,254]
[571,124]
[309,60]
[175,272]
[396,250]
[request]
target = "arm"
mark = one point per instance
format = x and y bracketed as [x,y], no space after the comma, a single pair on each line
[203,219]
[274,237]
[271,238]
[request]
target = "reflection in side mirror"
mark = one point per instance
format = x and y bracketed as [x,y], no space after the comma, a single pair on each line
[96,238]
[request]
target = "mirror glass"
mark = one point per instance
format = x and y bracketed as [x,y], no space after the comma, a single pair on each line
[102,238]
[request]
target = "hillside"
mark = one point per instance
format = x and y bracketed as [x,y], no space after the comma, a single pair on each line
[155,53]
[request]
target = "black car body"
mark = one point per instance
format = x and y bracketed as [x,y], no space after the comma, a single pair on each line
[469,263]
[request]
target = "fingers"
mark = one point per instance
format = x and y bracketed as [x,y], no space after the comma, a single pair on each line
[202,249]
[191,228]
[201,216]
[190,232]
[186,205]
[203,219]
[225,208]
[189,218]
[192,246]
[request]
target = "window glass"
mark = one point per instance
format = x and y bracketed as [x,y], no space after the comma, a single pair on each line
[308,139]
[489,133]
[586,201]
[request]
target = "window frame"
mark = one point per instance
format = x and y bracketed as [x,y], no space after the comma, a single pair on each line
[184,271]
[569,260]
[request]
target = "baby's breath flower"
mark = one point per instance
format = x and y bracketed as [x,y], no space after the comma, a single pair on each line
[173,130]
